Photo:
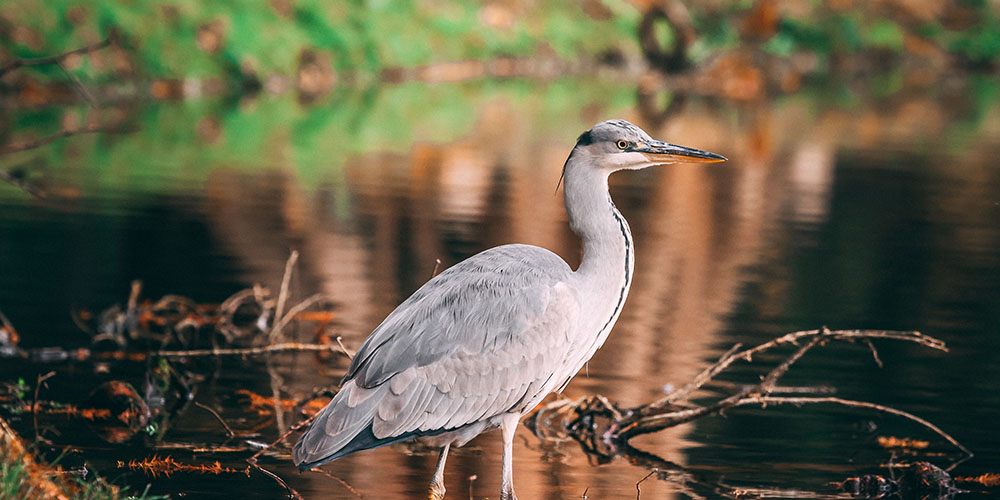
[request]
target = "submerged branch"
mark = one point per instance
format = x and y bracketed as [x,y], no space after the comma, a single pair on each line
[251,351]
[604,429]
[777,400]
[823,334]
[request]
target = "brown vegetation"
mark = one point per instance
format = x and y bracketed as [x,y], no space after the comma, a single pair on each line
[40,481]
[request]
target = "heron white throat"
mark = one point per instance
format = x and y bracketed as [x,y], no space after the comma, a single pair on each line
[482,343]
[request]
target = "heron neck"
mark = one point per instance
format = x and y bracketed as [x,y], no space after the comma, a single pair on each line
[607,239]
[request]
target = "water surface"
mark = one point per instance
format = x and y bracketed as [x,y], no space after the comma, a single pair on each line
[862,214]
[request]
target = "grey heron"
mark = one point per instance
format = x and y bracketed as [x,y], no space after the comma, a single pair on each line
[482,343]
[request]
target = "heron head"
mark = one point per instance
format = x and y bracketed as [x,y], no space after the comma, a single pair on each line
[619,145]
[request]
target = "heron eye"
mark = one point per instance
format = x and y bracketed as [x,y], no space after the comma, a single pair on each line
[622,144]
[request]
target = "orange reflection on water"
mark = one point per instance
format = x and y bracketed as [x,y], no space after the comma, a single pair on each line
[697,230]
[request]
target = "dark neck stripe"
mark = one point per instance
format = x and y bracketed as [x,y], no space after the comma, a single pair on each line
[626,234]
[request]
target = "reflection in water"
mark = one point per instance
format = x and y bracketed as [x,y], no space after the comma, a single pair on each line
[819,217]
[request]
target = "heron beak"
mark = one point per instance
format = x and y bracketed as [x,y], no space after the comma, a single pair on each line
[661,152]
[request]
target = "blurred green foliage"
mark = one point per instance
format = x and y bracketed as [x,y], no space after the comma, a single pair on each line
[177,145]
[981,43]
[269,37]
[234,40]
[866,26]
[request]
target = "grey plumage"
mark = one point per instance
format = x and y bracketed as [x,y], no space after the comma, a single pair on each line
[435,364]
[483,342]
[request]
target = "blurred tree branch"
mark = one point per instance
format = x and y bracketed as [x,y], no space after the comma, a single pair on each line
[36,143]
[56,59]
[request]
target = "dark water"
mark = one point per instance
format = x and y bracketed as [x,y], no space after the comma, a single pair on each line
[878,215]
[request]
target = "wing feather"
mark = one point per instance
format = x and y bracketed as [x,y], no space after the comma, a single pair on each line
[483,338]
[478,306]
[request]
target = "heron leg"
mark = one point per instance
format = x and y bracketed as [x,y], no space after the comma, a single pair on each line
[437,482]
[508,424]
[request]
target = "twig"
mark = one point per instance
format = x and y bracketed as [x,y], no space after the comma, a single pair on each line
[792,338]
[283,296]
[771,379]
[285,434]
[248,351]
[339,480]
[34,404]
[874,351]
[202,448]
[276,383]
[132,309]
[56,59]
[78,85]
[291,491]
[701,379]
[911,336]
[18,182]
[762,400]
[253,458]
[670,471]
[646,424]
[732,387]
[437,263]
[637,490]
[658,417]
[218,417]
[301,306]
[348,353]
[88,129]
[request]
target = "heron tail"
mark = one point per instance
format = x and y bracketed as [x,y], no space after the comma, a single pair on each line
[341,428]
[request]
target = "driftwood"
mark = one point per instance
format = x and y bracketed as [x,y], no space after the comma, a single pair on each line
[604,428]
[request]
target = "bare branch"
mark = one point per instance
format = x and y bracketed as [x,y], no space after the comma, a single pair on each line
[874,351]
[78,85]
[88,129]
[703,377]
[792,338]
[279,320]
[249,351]
[343,349]
[218,417]
[763,400]
[292,493]
[603,428]
[22,184]
[343,483]
[34,404]
[771,379]
[56,59]
[647,476]
[301,306]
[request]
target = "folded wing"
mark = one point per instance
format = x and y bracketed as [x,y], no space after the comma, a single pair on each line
[486,337]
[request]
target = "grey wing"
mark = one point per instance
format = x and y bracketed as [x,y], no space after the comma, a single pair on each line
[473,307]
[487,336]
